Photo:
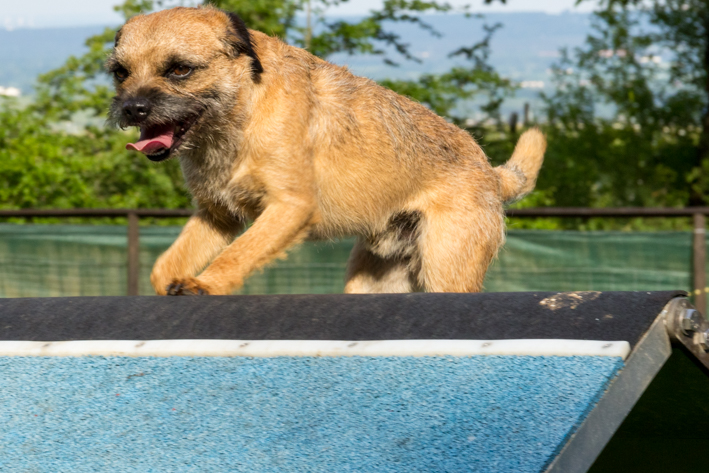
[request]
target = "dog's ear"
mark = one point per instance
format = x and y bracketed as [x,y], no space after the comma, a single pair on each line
[240,40]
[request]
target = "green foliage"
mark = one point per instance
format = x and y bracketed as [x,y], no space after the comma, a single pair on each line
[443,93]
[625,128]
[647,153]
[273,17]
[652,151]
[42,167]
[370,36]
[56,152]
[48,161]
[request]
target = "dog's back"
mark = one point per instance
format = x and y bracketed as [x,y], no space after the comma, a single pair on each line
[390,148]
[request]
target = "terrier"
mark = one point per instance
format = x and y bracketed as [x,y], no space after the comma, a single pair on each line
[268,133]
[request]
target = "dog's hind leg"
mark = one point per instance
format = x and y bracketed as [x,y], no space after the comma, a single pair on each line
[457,247]
[368,273]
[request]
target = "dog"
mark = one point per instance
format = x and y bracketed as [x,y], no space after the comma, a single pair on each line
[270,134]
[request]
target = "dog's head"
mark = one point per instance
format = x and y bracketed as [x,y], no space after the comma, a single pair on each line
[176,70]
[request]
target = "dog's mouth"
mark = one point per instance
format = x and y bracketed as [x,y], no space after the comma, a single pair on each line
[159,142]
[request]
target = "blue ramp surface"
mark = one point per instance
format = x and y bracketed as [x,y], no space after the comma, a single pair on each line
[409,383]
[294,414]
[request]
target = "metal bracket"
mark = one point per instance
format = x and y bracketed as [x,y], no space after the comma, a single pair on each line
[640,369]
[687,326]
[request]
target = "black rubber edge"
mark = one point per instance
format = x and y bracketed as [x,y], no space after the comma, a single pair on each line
[488,316]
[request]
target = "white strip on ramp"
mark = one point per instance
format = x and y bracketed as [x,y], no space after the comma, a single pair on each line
[314,348]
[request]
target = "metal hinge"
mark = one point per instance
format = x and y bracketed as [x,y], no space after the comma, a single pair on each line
[688,326]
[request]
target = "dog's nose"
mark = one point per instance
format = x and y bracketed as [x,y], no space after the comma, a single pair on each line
[137,109]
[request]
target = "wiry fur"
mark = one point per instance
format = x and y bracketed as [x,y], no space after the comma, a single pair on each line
[308,150]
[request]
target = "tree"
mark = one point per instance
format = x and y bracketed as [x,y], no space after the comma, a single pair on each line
[369,35]
[72,86]
[46,163]
[90,168]
[629,119]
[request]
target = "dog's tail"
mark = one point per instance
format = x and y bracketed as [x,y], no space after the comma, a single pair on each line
[519,175]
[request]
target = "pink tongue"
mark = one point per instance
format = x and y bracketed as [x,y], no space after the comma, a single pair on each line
[154,139]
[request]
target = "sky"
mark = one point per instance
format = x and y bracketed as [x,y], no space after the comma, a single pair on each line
[66,13]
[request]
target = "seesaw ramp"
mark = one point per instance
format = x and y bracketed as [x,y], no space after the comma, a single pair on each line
[523,382]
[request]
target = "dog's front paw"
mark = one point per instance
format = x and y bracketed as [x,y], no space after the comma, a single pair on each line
[187,287]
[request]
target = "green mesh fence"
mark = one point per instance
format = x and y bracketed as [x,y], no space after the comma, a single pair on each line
[76,260]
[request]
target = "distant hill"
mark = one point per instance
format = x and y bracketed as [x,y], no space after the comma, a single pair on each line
[523,49]
[25,53]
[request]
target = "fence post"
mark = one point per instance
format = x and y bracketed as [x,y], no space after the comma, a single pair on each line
[133,253]
[699,253]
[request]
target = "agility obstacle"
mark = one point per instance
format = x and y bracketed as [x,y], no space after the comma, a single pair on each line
[507,382]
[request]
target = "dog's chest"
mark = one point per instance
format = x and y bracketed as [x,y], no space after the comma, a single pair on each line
[219,184]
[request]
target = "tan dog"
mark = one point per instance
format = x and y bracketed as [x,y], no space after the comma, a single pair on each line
[270,133]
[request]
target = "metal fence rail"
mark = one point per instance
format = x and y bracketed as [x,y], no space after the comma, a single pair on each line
[133,216]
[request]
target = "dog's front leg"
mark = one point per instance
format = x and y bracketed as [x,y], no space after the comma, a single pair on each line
[204,236]
[280,226]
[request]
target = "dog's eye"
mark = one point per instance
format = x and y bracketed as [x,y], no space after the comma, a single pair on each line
[121,73]
[181,70]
